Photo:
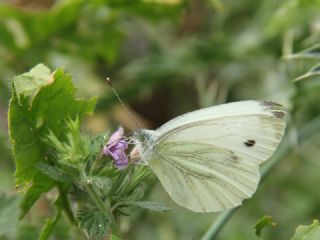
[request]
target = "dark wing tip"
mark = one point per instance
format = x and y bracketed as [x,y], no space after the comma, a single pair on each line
[278,114]
[276,109]
[270,104]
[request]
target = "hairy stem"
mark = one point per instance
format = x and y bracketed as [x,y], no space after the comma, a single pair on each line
[103,206]
[304,134]
[95,197]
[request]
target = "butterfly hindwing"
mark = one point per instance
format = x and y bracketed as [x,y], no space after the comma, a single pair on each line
[204,178]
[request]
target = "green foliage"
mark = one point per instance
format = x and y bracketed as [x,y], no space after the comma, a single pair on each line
[153,206]
[9,212]
[165,57]
[54,173]
[75,150]
[314,72]
[309,53]
[101,182]
[312,53]
[94,222]
[49,150]
[27,83]
[311,232]
[31,119]
[289,14]
[262,223]
[51,223]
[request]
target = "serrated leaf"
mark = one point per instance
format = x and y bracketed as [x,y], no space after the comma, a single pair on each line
[75,150]
[9,213]
[30,119]
[311,232]
[153,206]
[262,223]
[54,172]
[94,223]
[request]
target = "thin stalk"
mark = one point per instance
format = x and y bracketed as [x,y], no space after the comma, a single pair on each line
[103,206]
[95,198]
[306,133]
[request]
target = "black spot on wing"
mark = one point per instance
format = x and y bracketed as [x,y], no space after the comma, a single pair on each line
[249,143]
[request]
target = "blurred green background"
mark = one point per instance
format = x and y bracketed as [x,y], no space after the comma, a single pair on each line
[167,57]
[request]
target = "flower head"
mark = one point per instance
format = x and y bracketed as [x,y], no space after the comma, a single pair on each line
[116,148]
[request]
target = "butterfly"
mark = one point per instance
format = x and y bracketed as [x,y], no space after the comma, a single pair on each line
[208,160]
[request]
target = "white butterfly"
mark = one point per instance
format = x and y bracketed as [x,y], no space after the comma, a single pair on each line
[208,160]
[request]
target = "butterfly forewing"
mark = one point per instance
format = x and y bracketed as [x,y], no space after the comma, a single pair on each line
[208,160]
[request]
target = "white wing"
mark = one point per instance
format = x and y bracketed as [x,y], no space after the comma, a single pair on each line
[208,160]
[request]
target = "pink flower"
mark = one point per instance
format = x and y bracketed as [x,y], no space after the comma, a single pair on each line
[116,148]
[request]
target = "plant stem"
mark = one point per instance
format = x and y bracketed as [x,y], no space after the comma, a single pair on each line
[306,133]
[103,206]
[95,197]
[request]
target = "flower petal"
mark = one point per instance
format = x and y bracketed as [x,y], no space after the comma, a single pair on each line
[116,148]
[116,136]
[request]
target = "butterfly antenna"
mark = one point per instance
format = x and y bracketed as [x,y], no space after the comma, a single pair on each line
[122,104]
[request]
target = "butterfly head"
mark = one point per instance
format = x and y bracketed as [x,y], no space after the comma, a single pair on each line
[144,141]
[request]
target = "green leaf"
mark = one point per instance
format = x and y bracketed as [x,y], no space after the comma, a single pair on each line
[311,232]
[59,204]
[9,213]
[54,172]
[31,118]
[28,82]
[94,223]
[64,202]
[153,206]
[41,184]
[74,151]
[49,226]
[262,223]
